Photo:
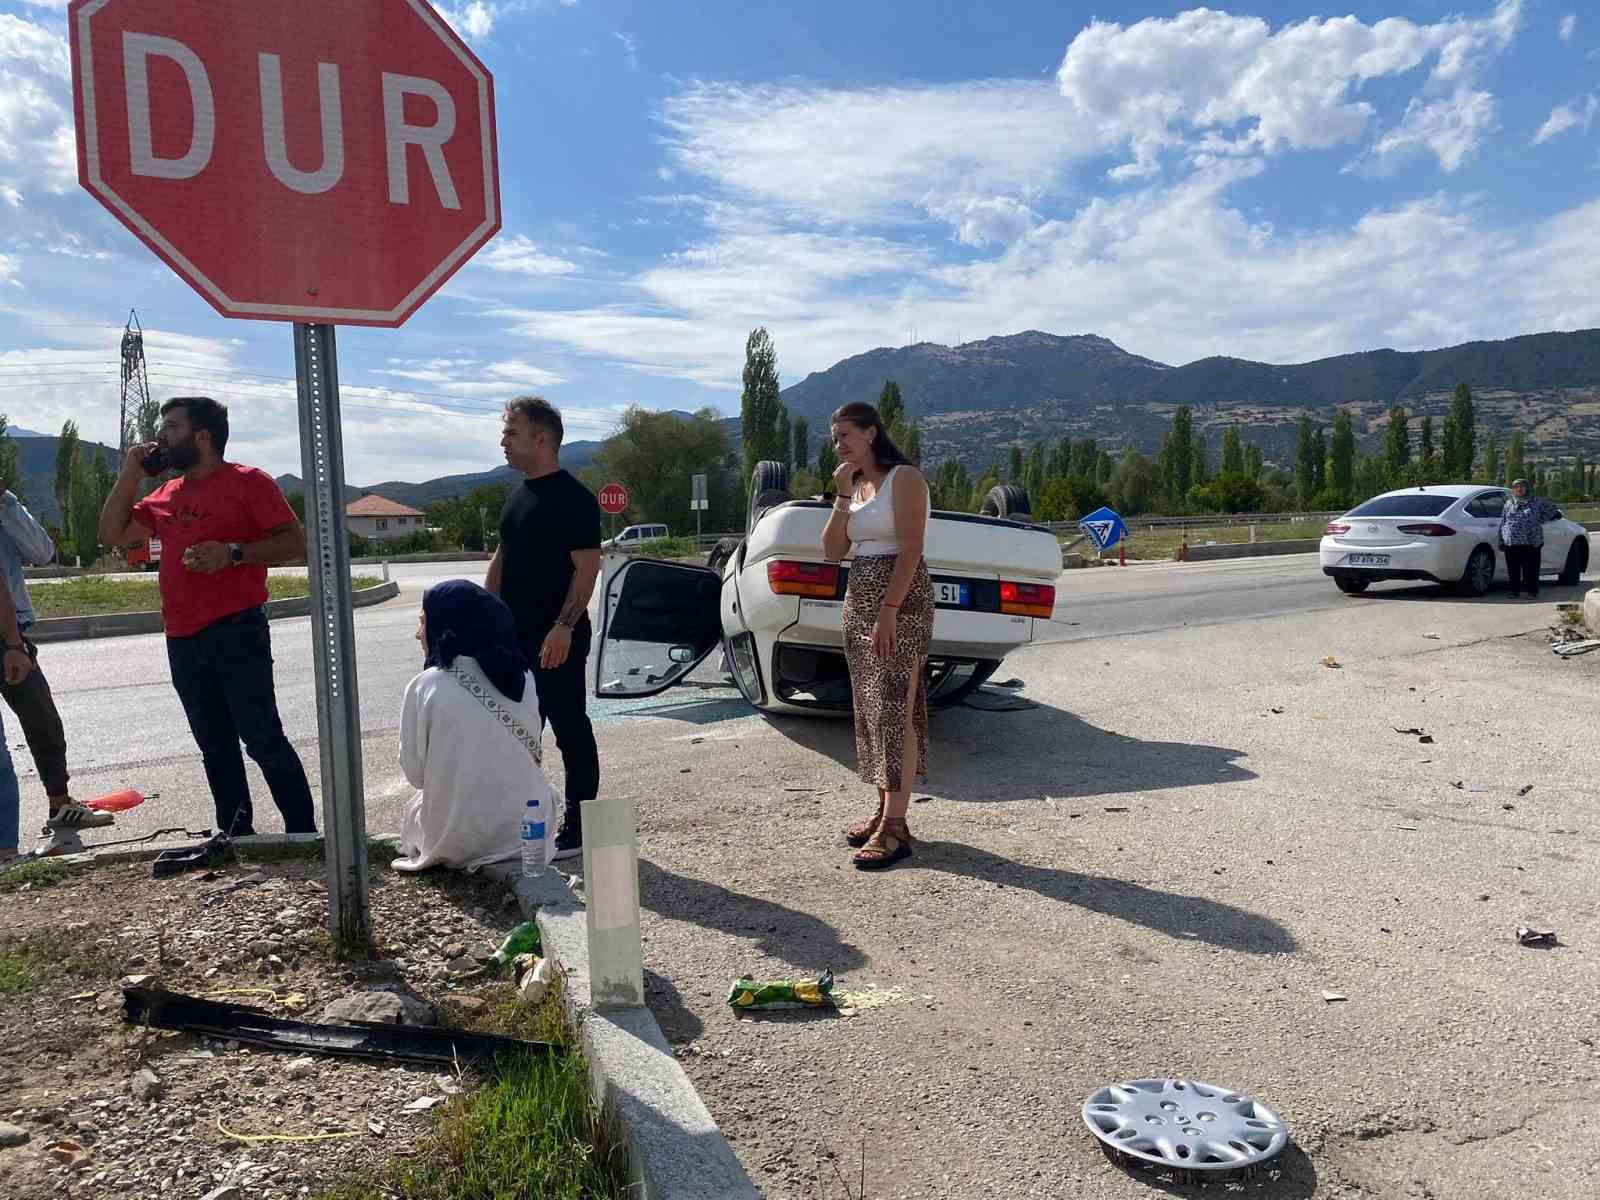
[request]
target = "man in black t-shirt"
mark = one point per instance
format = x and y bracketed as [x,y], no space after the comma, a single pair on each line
[545,570]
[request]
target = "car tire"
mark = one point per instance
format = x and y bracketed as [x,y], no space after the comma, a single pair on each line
[1006,500]
[1577,563]
[1351,587]
[769,485]
[1479,575]
[725,549]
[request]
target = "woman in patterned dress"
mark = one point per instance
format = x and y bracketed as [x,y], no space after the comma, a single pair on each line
[1522,523]
[469,736]
[881,509]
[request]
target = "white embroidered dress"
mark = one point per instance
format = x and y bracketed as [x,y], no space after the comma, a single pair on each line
[475,774]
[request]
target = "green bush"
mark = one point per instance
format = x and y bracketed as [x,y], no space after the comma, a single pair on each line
[667,547]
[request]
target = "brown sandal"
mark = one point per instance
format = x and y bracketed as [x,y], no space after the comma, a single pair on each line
[878,854]
[861,832]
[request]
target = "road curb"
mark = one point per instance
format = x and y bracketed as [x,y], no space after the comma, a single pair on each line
[1591,611]
[66,629]
[1253,549]
[675,1150]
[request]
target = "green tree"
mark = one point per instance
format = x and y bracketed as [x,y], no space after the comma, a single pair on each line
[1085,455]
[827,461]
[1461,435]
[1343,455]
[1199,472]
[1319,460]
[800,460]
[1304,464]
[1232,452]
[891,406]
[1136,486]
[1229,492]
[84,500]
[1016,472]
[297,501]
[950,486]
[1516,464]
[66,460]
[471,521]
[785,438]
[913,443]
[10,470]
[1176,462]
[1425,438]
[1033,475]
[1254,460]
[1492,465]
[656,453]
[981,488]
[1371,478]
[1397,445]
[761,413]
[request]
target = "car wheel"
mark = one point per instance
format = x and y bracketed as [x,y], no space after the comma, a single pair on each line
[1475,580]
[725,549]
[1351,587]
[1007,500]
[769,485]
[1577,563]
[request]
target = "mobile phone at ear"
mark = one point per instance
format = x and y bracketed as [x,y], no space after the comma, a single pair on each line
[155,462]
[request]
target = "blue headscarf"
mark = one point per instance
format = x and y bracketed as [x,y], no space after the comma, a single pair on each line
[462,618]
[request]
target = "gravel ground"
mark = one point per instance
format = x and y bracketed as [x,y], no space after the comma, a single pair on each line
[1160,871]
[69,1065]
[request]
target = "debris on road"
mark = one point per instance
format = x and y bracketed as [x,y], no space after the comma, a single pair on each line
[251,880]
[1228,1135]
[1333,662]
[850,1004]
[1525,789]
[1333,997]
[1462,785]
[1536,937]
[524,939]
[208,853]
[1432,637]
[746,994]
[535,983]
[1116,808]
[990,699]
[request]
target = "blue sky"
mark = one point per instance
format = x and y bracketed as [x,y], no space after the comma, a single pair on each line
[1275,180]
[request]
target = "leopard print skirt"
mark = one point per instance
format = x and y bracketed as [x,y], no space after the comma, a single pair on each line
[881,687]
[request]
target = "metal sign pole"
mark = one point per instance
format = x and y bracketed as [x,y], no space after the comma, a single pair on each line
[344,819]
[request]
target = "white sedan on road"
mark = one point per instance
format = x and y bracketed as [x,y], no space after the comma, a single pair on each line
[1446,534]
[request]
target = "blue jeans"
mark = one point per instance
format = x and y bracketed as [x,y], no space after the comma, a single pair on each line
[223,676]
[10,796]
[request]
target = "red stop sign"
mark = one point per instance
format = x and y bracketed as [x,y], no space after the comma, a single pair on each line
[613,498]
[293,160]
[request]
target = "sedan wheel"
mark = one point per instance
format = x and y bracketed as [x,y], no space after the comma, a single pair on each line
[1475,580]
[1351,587]
[1577,563]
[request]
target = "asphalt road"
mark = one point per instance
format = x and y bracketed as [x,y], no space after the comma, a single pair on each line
[125,727]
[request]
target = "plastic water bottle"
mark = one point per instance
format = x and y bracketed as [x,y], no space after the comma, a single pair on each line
[533,840]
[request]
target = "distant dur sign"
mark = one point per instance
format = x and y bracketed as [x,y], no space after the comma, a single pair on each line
[294,160]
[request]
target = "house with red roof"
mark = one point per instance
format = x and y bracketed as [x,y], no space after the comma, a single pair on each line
[378,519]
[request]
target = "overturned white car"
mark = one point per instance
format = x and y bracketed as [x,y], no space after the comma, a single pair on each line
[772,602]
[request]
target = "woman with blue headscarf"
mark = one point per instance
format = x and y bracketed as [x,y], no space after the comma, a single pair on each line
[469,735]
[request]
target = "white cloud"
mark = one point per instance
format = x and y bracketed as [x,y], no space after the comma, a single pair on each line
[1241,86]
[474,21]
[1568,27]
[630,48]
[519,255]
[886,156]
[1564,117]
[466,377]
[8,269]
[1450,127]
[37,147]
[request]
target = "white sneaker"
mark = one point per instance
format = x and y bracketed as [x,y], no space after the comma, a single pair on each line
[73,815]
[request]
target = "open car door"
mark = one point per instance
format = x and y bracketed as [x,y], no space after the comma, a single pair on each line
[658,621]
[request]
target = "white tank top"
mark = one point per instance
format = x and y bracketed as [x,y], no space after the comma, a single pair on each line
[872,521]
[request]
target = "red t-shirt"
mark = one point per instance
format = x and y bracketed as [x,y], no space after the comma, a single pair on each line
[233,504]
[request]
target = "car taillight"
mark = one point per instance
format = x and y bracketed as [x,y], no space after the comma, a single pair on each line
[1429,530]
[1028,599]
[788,578]
[1334,528]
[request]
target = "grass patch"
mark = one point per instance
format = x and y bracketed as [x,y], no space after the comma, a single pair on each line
[529,1129]
[667,547]
[32,960]
[45,872]
[99,595]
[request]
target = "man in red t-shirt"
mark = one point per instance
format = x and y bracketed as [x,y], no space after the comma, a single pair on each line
[220,525]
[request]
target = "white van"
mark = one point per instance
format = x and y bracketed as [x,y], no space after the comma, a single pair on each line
[630,537]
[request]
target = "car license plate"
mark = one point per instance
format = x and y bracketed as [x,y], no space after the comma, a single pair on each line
[950,593]
[1368,560]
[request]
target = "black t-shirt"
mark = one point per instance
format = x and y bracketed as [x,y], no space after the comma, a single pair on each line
[543,522]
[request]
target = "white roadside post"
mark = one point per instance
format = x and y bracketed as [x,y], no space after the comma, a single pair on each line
[611,898]
[697,501]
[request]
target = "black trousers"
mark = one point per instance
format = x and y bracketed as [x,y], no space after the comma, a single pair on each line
[223,675]
[562,696]
[1522,564]
[41,724]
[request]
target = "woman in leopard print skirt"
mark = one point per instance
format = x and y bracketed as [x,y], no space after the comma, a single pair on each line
[881,509]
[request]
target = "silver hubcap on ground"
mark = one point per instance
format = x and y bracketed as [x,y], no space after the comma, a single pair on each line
[1186,1125]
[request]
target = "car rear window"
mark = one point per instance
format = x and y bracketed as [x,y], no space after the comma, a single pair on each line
[1415,505]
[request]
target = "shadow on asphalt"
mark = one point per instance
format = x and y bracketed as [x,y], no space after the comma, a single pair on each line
[1043,751]
[1291,1176]
[1550,592]
[1187,918]
[677,1022]
[795,937]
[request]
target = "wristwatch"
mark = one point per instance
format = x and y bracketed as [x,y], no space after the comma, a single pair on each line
[235,553]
